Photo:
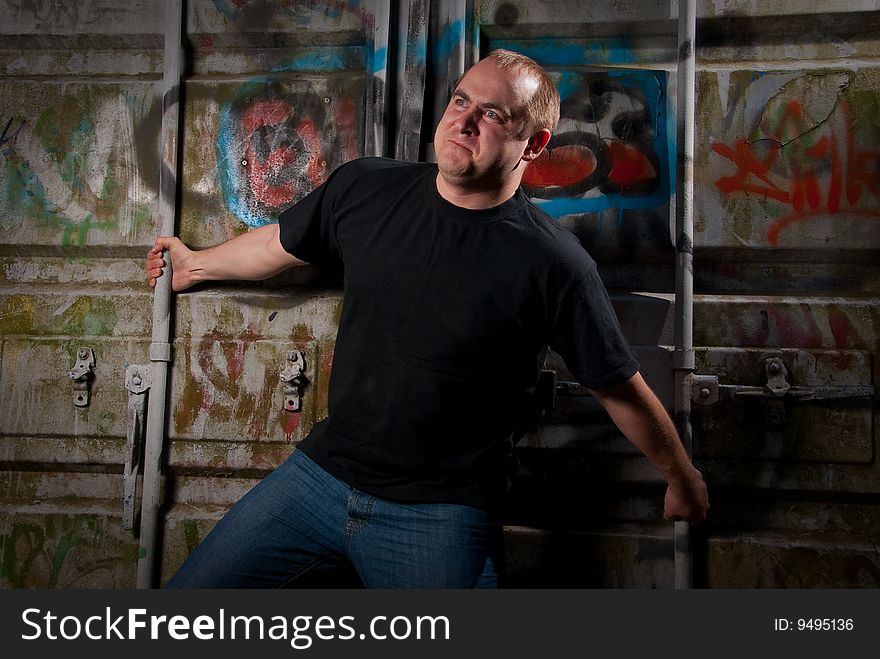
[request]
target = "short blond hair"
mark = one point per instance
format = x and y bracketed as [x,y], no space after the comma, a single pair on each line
[542,111]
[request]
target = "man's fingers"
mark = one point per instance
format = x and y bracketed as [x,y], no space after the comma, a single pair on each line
[162,243]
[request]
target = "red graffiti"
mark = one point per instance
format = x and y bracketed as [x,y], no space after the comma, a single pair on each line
[630,169]
[266,164]
[226,376]
[289,424]
[813,177]
[562,166]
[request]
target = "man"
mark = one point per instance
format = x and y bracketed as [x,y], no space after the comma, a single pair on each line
[454,284]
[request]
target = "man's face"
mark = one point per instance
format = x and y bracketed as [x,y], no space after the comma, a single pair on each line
[478,141]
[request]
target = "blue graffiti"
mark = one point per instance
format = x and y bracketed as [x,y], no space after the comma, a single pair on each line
[575,90]
[567,83]
[379,60]
[565,53]
[651,86]
[232,196]
[449,40]
[319,61]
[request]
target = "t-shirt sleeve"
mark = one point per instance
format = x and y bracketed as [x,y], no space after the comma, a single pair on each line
[587,334]
[308,228]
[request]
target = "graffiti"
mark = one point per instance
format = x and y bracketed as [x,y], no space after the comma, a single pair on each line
[228,382]
[565,52]
[8,136]
[609,149]
[79,167]
[273,149]
[53,12]
[72,168]
[803,166]
[57,552]
[761,325]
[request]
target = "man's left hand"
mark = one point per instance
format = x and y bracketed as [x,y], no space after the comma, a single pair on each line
[687,499]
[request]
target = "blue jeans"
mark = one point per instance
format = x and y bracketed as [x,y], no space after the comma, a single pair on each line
[300,521]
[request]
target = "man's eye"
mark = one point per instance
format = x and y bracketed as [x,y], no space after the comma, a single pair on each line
[459,102]
[491,114]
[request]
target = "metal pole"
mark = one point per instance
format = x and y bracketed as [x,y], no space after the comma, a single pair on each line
[683,357]
[160,347]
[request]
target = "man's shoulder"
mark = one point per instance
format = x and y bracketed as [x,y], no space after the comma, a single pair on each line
[371,164]
[364,183]
[554,240]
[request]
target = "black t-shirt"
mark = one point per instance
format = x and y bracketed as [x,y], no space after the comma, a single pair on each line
[445,313]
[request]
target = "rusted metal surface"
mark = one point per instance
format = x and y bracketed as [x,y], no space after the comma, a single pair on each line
[785,264]
[792,158]
[71,169]
[78,178]
[257,145]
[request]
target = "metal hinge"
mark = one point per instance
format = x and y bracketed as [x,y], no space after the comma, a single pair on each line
[293,381]
[81,374]
[706,390]
[137,382]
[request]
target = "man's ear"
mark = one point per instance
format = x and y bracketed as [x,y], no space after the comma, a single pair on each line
[536,144]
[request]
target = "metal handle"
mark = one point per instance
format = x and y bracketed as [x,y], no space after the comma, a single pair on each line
[707,390]
[137,381]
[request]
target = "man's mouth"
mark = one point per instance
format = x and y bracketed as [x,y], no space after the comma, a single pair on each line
[461,146]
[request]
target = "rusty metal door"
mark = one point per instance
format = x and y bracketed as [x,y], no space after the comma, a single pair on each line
[785,310]
[275,96]
[585,507]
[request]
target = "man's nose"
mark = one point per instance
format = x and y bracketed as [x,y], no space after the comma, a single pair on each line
[466,122]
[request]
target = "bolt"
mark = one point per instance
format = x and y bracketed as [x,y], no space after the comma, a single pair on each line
[244,162]
[705,393]
[83,353]
[136,380]
[326,99]
[774,368]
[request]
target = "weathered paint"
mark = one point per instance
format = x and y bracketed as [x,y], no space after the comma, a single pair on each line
[610,147]
[794,158]
[261,145]
[68,176]
[786,197]
[786,169]
[65,550]
[232,389]
[272,149]
[319,16]
[780,561]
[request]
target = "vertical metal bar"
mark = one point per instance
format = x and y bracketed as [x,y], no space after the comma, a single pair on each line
[378,25]
[160,348]
[411,72]
[450,56]
[683,357]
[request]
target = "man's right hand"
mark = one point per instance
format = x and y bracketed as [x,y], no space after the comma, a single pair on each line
[181,258]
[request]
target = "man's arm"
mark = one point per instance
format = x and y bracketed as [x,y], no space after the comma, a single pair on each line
[252,256]
[642,418]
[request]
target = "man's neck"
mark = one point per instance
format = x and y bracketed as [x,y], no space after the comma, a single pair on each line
[472,198]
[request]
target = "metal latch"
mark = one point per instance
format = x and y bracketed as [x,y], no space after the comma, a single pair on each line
[137,381]
[545,392]
[706,390]
[293,380]
[81,374]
